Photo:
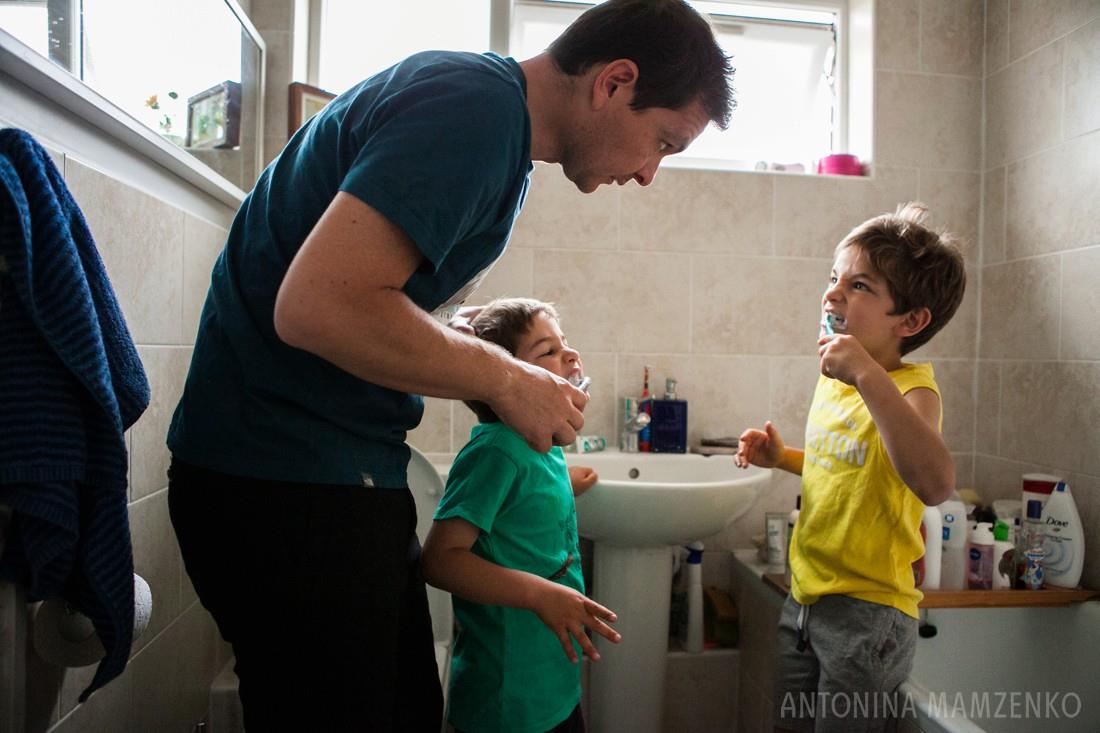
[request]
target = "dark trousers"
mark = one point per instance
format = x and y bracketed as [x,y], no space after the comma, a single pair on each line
[573,724]
[317,588]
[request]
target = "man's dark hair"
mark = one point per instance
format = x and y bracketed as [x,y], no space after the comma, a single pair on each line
[673,46]
[503,322]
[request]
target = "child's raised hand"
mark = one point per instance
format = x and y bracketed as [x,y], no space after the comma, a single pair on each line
[762,448]
[566,612]
[582,478]
[843,357]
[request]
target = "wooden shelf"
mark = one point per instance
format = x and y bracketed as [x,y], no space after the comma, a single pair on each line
[1049,596]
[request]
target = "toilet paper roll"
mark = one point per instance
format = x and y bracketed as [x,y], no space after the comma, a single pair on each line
[65,637]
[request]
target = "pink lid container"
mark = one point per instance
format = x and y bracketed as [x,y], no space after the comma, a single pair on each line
[840,164]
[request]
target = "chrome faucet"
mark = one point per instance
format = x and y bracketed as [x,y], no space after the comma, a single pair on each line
[634,422]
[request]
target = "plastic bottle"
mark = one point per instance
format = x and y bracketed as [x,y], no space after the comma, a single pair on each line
[693,636]
[646,406]
[979,552]
[927,569]
[953,573]
[1065,539]
[1004,556]
[1034,545]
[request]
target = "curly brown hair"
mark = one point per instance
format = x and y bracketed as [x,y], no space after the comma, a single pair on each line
[922,268]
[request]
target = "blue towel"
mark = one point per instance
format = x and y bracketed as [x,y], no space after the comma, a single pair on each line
[70,384]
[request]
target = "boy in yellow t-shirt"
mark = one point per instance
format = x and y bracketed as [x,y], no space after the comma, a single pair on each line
[874,457]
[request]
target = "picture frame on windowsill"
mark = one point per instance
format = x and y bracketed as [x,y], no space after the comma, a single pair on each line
[304,101]
[214,117]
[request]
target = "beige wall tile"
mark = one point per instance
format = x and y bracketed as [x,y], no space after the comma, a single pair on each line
[202,243]
[988,423]
[1052,197]
[1024,107]
[269,15]
[699,211]
[462,422]
[156,681]
[993,216]
[433,435]
[927,121]
[897,35]
[793,380]
[996,35]
[157,559]
[733,393]
[956,382]
[1049,412]
[1086,494]
[1083,80]
[556,214]
[954,200]
[814,213]
[951,36]
[957,339]
[756,306]
[964,469]
[166,369]
[1081,305]
[1020,304]
[1034,23]
[511,277]
[141,242]
[199,641]
[620,301]
[108,710]
[277,96]
[1000,478]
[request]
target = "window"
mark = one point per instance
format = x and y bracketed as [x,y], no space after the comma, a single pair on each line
[359,38]
[787,107]
[789,60]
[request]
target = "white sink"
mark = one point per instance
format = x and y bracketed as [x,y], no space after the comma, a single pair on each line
[654,499]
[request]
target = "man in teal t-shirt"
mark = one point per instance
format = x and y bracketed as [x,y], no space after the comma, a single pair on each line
[288,488]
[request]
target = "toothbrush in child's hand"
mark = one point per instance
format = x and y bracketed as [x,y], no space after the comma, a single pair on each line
[582,384]
[829,325]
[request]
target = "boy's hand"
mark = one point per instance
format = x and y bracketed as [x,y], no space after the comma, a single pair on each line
[461,320]
[566,612]
[760,448]
[582,478]
[844,358]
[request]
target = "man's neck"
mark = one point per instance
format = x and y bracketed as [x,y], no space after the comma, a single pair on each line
[548,101]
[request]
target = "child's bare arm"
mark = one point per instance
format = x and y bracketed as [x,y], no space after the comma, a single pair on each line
[766,449]
[907,424]
[582,479]
[448,564]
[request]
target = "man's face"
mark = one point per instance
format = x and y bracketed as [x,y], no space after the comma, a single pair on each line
[618,144]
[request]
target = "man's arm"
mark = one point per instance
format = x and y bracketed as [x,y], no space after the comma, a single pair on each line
[341,300]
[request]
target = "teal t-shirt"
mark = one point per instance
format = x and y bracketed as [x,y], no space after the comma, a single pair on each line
[441,145]
[508,671]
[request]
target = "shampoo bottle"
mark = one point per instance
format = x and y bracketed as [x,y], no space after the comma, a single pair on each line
[1004,556]
[1065,539]
[669,425]
[927,569]
[980,556]
[953,573]
[693,638]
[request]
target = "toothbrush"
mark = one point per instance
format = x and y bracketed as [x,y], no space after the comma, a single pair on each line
[583,384]
[828,325]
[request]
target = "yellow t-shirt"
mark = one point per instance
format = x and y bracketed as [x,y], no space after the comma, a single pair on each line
[858,532]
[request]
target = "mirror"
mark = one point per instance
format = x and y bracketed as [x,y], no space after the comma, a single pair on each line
[191,72]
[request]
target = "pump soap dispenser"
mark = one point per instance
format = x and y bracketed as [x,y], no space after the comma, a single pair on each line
[669,426]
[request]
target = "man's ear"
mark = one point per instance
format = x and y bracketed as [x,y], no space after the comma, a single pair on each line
[914,322]
[615,80]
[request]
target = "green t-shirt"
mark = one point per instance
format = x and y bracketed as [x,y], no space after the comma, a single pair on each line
[509,672]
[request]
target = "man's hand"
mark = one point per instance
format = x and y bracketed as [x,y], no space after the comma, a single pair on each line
[542,407]
[762,448]
[582,478]
[566,612]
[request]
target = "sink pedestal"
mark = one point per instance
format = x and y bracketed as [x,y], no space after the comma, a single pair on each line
[627,685]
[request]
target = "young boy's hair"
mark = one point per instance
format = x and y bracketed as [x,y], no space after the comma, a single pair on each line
[503,322]
[922,268]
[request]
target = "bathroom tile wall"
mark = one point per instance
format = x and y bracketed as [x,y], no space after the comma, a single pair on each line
[1038,360]
[158,258]
[715,278]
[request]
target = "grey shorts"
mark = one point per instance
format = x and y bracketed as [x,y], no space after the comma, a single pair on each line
[839,664]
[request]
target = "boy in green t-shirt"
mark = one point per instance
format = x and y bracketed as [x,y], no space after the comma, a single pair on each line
[874,458]
[504,542]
